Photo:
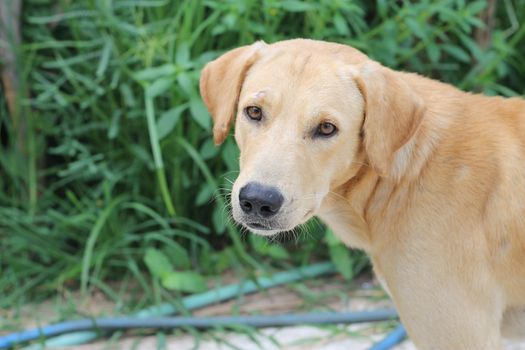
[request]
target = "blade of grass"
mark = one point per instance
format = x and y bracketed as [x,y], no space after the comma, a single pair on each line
[92,239]
[157,155]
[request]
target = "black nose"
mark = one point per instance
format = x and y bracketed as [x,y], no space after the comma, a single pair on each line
[263,201]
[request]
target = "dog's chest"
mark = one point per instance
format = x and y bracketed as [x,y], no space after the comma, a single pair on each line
[348,226]
[382,281]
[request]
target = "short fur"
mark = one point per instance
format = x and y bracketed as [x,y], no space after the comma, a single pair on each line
[427,179]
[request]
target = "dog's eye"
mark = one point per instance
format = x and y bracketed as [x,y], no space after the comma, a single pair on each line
[326,129]
[253,112]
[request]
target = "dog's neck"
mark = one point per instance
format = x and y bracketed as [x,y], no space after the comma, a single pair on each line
[345,208]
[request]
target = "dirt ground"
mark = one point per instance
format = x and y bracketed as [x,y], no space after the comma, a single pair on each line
[329,294]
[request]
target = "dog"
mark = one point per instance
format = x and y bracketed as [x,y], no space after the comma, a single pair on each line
[427,179]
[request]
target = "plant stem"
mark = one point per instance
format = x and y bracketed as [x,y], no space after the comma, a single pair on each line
[157,155]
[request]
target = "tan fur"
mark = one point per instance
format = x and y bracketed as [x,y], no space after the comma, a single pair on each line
[429,180]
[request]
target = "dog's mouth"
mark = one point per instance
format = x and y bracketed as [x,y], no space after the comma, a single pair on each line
[259,226]
[268,227]
[263,229]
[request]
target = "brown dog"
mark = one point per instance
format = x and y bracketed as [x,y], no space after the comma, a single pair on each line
[427,179]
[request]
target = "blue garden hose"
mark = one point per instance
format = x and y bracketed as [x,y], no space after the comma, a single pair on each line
[124,323]
[392,339]
[81,331]
[196,301]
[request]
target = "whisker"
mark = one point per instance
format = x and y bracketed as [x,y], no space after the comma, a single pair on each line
[230,172]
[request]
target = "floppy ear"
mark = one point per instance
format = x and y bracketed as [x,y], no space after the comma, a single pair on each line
[220,85]
[393,113]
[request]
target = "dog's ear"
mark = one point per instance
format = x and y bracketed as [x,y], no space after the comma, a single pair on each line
[393,113]
[220,85]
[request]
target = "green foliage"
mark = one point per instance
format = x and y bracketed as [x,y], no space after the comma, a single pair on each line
[340,255]
[160,267]
[348,263]
[117,159]
[263,247]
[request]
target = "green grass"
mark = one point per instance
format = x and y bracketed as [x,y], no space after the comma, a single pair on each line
[118,156]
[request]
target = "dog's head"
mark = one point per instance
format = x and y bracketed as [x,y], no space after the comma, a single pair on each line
[308,115]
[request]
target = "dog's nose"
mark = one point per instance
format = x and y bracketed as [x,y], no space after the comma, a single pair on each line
[263,201]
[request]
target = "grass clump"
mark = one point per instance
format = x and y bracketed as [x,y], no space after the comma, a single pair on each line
[118,162]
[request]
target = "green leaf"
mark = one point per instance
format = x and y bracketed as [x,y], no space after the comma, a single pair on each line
[208,149]
[277,252]
[476,6]
[114,126]
[414,26]
[258,243]
[186,84]
[127,95]
[218,219]
[341,25]
[230,155]
[476,22]
[229,21]
[340,256]
[182,56]
[503,90]
[433,52]
[179,256]
[153,73]
[168,120]
[296,6]
[456,52]
[200,113]
[104,58]
[225,260]
[382,8]
[472,46]
[157,263]
[331,239]
[263,247]
[190,282]
[160,86]
[205,194]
